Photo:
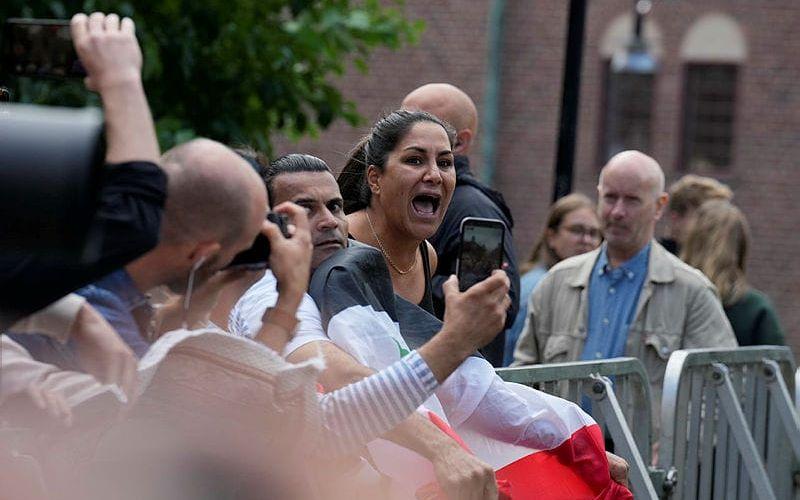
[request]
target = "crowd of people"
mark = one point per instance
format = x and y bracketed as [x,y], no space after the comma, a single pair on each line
[347,364]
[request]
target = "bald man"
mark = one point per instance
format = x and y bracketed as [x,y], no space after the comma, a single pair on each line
[471,198]
[215,207]
[630,297]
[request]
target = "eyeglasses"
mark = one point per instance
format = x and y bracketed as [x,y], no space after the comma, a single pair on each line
[577,230]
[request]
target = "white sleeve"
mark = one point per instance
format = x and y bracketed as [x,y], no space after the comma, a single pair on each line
[20,370]
[246,315]
[309,327]
[55,320]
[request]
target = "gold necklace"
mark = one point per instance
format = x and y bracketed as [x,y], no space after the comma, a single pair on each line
[385,253]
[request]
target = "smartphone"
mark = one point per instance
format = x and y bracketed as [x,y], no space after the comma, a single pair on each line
[481,250]
[40,48]
[256,257]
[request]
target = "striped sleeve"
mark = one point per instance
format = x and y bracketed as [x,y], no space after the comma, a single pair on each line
[358,413]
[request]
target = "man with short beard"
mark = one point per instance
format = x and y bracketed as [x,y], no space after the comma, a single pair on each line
[215,208]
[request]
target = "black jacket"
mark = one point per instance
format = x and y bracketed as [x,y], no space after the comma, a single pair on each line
[472,198]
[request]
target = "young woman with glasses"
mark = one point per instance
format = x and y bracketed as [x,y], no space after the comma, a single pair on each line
[572,228]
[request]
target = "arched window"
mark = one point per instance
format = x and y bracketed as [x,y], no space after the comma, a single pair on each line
[712,51]
[627,96]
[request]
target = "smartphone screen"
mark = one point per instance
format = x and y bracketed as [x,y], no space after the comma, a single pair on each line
[41,48]
[481,250]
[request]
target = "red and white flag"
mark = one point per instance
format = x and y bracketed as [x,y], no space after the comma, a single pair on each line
[541,446]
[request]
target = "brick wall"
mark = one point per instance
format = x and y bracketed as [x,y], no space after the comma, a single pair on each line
[764,174]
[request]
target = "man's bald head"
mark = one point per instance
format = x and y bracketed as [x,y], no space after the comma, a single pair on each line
[631,200]
[639,165]
[450,104]
[212,194]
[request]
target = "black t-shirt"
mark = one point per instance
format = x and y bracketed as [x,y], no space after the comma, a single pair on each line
[127,222]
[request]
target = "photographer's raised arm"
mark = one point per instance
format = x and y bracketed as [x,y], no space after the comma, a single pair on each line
[132,191]
[109,52]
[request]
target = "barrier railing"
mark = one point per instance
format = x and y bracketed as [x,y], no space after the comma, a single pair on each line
[797,389]
[622,406]
[728,424]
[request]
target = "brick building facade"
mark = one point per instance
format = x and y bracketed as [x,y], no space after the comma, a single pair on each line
[763,149]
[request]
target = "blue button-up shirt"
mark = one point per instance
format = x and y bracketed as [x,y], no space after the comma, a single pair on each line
[118,300]
[613,296]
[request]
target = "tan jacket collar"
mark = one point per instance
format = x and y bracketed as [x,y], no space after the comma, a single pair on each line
[659,269]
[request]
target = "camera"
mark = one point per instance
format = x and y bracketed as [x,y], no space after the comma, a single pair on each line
[257,256]
[52,168]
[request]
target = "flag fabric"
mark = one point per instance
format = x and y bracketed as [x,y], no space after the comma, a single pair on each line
[541,446]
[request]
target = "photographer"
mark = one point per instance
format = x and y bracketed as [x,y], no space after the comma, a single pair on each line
[133,188]
[215,209]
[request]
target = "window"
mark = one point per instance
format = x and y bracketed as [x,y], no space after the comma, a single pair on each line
[628,111]
[713,50]
[710,101]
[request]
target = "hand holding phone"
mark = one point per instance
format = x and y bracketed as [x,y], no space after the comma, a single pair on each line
[108,49]
[481,250]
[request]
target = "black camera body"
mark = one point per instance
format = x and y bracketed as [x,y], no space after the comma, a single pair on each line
[257,256]
[51,165]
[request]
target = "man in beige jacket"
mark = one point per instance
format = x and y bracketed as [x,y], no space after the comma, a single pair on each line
[630,297]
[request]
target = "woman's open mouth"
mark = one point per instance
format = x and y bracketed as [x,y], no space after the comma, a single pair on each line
[426,205]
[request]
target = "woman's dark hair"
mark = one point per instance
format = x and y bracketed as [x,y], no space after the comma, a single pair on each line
[291,164]
[374,149]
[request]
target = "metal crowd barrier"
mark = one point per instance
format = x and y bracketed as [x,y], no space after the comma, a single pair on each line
[797,389]
[728,424]
[621,406]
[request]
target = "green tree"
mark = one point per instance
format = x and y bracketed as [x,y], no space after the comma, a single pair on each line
[236,70]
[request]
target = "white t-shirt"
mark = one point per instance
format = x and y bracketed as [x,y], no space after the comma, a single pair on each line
[245,317]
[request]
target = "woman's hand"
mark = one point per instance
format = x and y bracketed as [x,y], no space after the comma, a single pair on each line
[471,320]
[478,314]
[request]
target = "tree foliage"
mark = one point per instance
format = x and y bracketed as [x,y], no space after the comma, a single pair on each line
[236,70]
